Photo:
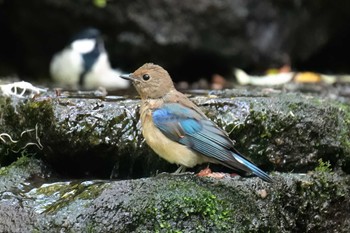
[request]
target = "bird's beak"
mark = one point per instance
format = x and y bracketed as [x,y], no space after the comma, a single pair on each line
[127,77]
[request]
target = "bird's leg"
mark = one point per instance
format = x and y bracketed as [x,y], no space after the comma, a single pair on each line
[181,169]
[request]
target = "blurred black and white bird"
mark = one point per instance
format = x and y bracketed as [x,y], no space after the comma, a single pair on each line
[84,63]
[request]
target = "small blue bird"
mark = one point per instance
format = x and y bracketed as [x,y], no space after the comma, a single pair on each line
[177,130]
[84,63]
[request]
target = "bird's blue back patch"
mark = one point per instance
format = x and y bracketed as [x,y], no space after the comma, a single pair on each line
[161,115]
[172,121]
[190,126]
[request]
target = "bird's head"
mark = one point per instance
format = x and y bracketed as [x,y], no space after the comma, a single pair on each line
[151,81]
[87,41]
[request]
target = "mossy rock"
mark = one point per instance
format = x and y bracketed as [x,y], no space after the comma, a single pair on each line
[315,202]
[96,137]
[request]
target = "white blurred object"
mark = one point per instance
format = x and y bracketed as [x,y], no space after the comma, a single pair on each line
[102,75]
[20,89]
[281,78]
[268,80]
[84,62]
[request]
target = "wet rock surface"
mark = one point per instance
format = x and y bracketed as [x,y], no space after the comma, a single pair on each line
[318,201]
[102,138]
[65,143]
[15,180]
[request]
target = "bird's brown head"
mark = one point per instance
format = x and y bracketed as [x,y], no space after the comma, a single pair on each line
[151,81]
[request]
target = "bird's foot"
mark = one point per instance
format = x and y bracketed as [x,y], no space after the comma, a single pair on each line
[206,172]
[179,172]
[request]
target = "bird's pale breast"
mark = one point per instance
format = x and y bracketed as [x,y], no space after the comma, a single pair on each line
[171,151]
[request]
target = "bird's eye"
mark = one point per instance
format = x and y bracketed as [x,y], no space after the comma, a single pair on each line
[146,77]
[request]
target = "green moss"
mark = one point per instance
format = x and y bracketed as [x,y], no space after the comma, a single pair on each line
[91,228]
[280,131]
[323,166]
[3,171]
[311,202]
[186,203]
[344,134]
[61,194]
[318,193]
[26,122]
[92,191]
[23,115]
[21,162]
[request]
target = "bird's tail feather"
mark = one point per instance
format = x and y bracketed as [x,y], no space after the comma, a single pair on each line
[254,169]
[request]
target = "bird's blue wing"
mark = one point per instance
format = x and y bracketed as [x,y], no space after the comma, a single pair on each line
[183,124]
[186,126]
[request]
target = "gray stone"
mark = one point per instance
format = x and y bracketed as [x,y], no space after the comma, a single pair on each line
[94,137]
[317,201]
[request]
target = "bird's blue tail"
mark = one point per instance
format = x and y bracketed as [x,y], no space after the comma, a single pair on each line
[254,169]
